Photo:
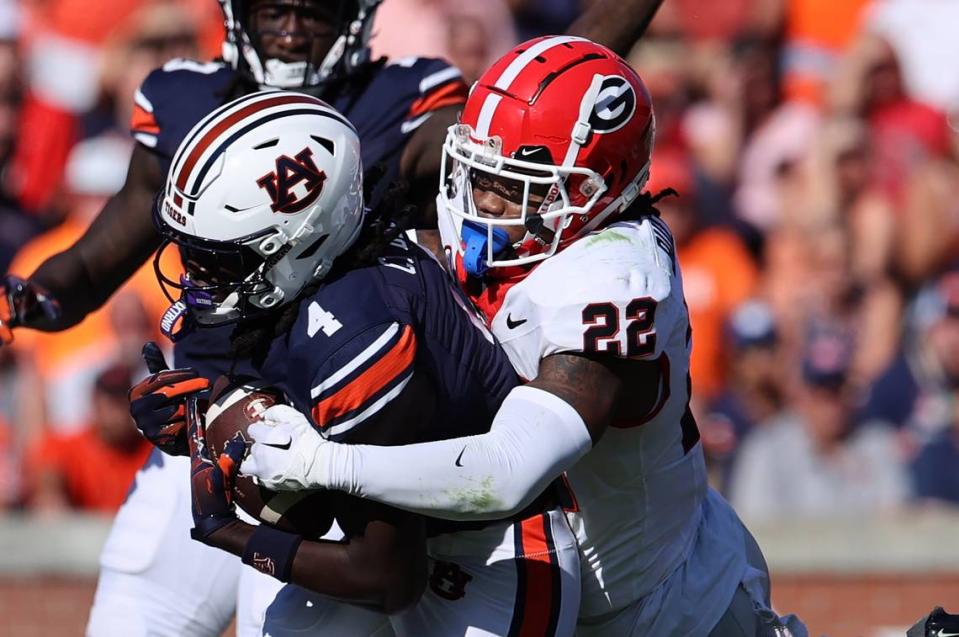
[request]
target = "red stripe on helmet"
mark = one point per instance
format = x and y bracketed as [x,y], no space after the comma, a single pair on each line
[229,121]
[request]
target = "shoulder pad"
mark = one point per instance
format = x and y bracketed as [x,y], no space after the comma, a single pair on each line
[173,98]
[611,292]
[432,83]
[352,349]
[344,305]
[619,262]
[361,377]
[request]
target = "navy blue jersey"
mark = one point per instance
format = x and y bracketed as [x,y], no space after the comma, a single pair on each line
[367,332]
[385,105]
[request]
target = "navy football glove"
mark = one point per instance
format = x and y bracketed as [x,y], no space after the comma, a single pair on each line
[211,482]
[158,402]
[22,303]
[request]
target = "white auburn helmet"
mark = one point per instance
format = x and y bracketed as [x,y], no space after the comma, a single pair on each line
[262,195]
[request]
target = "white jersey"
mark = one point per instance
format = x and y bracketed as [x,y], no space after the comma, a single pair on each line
[661,553]
[639,490]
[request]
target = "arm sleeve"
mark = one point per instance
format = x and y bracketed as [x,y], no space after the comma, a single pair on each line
[534,437]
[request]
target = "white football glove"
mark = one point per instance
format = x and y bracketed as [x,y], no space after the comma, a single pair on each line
[285,451]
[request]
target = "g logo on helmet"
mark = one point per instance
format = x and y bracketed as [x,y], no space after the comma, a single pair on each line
[614,106]
[289,173]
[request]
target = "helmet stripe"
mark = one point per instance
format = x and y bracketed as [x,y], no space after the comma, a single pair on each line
[268,117]
[212,134]
[204,123]
[517,65]
[510,73]
[486,115]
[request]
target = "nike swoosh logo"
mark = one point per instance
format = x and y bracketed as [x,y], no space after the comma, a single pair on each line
[944,634]
[284,446]
[526,152]
[460,457]
[511,324]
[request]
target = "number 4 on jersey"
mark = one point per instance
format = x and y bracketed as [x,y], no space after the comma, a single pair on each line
[603,335]
[321,320]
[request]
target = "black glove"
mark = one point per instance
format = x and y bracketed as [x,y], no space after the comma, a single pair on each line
[22,303]
[158,402]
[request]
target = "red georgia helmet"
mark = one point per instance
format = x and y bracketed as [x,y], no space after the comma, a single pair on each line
[566,118]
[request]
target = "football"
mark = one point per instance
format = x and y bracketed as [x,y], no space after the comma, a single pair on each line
[235,403]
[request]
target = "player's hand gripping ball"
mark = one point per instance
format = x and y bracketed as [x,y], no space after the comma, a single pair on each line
[235,406]
[211,479]
[285,455]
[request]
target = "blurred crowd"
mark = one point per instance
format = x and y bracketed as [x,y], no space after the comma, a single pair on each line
[817,225]
[818,233]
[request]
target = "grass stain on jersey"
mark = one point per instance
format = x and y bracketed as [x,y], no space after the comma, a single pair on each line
[479,498]
[607,236]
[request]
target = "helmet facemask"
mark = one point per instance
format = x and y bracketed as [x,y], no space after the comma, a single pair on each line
[221,282]
[548,197]
[343,30]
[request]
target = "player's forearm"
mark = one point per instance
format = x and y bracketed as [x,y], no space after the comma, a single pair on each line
[111,250]
[534,438]
[64,276]
[342,570]
[117,243]
[617,24]
[349,572]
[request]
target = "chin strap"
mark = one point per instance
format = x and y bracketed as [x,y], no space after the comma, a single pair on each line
[476,239]
[176,322]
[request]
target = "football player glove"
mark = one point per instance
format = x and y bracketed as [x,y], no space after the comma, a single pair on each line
[211,483]
[22,303]
[285,455]
[158,402]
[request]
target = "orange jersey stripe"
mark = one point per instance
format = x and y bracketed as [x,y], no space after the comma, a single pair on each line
[370,382]
[449,94]
[538,563]
[143,121]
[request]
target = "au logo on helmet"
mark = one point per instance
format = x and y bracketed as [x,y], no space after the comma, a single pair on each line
[289,173]
[614,106]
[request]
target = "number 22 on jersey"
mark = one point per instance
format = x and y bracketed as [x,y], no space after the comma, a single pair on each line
[605,333]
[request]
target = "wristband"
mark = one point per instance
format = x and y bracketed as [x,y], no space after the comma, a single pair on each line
[271,551]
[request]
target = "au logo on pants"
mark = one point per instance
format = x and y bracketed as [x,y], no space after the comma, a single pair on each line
[448,580]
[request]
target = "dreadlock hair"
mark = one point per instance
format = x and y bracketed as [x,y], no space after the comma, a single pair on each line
[251,338]
[645,205]
[390,219]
